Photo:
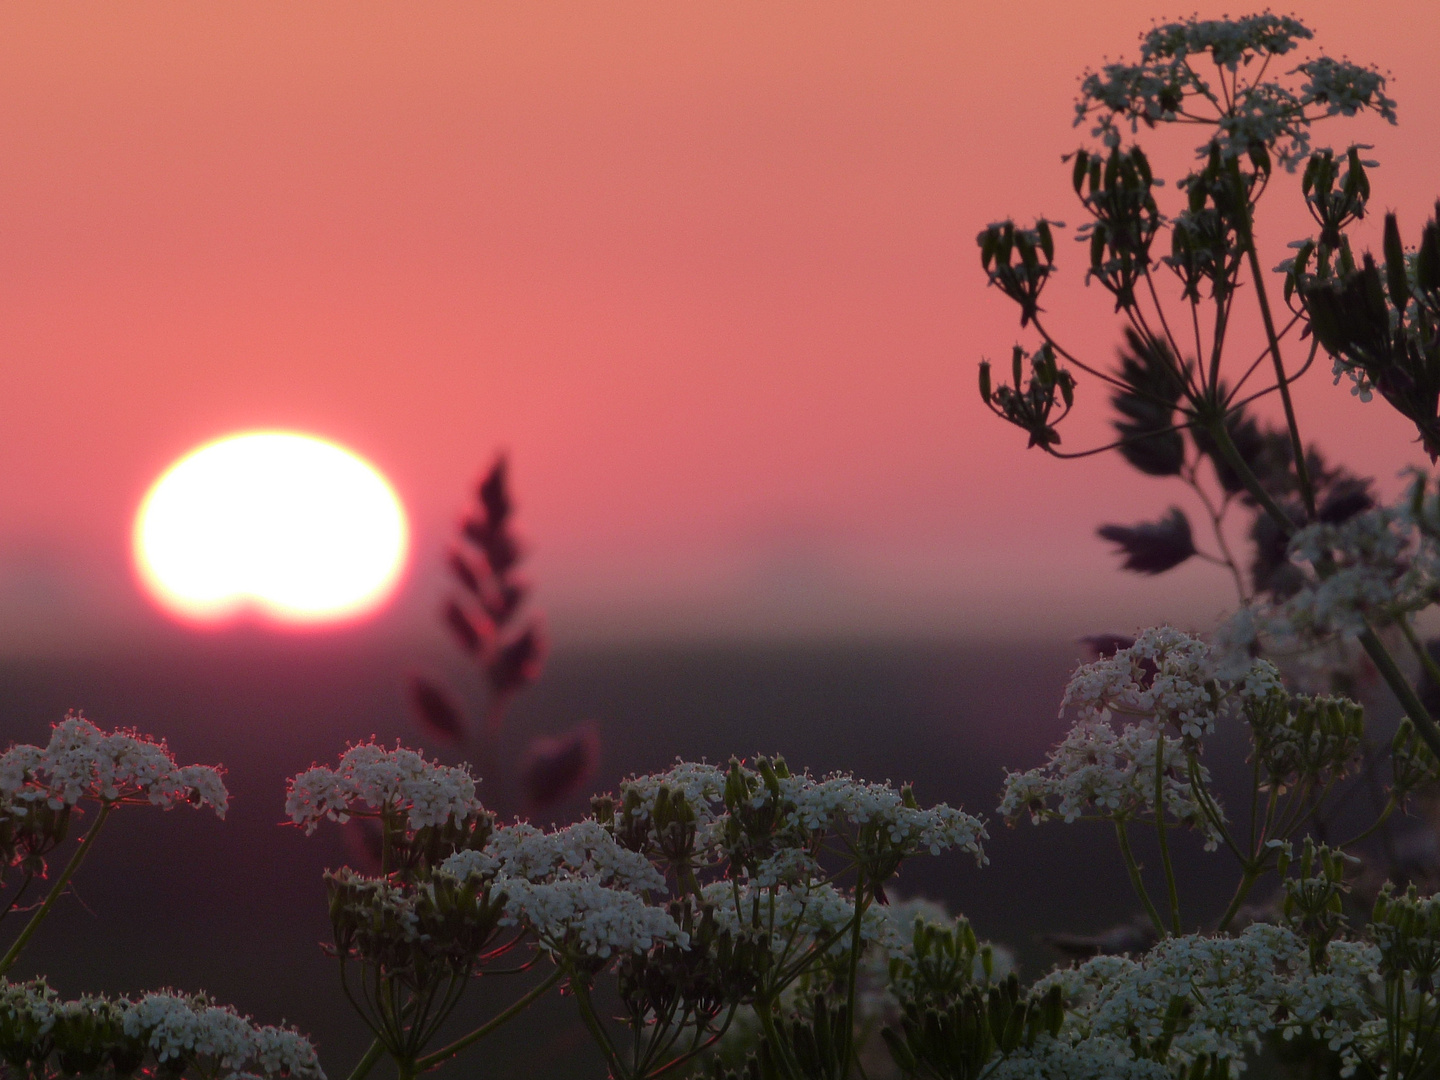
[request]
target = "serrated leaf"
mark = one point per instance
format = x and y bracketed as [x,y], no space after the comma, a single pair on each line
[1155,546]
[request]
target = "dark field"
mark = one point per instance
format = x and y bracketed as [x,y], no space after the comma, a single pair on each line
[237,907]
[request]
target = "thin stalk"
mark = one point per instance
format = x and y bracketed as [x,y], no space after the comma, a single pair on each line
[429,1061]
[366,1063]
[8,961]
[852,979]
[1170,886]
[1217,522]
[19,895]
[1231,453]
[1247,882]
[1135,880]
[1409,700]
[1302,471]
[597,1032]
[1421,653]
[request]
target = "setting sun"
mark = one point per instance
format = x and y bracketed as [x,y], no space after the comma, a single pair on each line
[285,525]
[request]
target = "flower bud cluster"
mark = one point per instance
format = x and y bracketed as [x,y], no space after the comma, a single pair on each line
[176,1034]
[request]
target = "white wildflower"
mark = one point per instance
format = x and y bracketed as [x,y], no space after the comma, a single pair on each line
[583,850]
[180,1028]
[83,762]
[823,804]
[580,916]
[371,778]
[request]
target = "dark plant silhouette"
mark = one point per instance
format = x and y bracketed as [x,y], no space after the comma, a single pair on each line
[486,616]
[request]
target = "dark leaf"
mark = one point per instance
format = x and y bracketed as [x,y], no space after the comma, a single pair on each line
[557,768]
[497,544]
[504,600]
[518,663]
[1343,499]
[1266,452]
[1271,570]
[436,709]
[470,636]
[1153,547]
[1147,408]
[463,572]
[494,493]
[1395,277]
[1427,259]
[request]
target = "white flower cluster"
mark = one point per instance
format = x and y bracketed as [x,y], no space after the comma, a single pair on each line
[585,850]
[1165,686]
[1168,677]
[822,804]
[701,784]
[1345,88]
[795,918]
[1097,770]
[1167,86]
[572,915]
[83,762]
[1383,565]
[397,781]
[1377,565]
[1237,990]
[178,1027]
[179,1030]
[1230,42]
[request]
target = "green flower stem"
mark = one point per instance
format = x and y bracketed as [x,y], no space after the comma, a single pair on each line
[1302,470]
[1421,653]
[1135,880]
[861,904]
[1221,434]
[366,1063]
[765,1010]
[1395,678]
[429,1061]
[1171,888]
[1247,882]
[8,961]
[597,1031]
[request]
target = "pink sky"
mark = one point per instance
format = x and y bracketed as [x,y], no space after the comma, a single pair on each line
[706,269]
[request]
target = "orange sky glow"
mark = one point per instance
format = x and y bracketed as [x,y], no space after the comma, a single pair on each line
[706,270]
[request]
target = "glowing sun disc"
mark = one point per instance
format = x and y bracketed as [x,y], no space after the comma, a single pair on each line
[287,525]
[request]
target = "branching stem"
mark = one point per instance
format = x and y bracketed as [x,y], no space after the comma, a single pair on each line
[13,954]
